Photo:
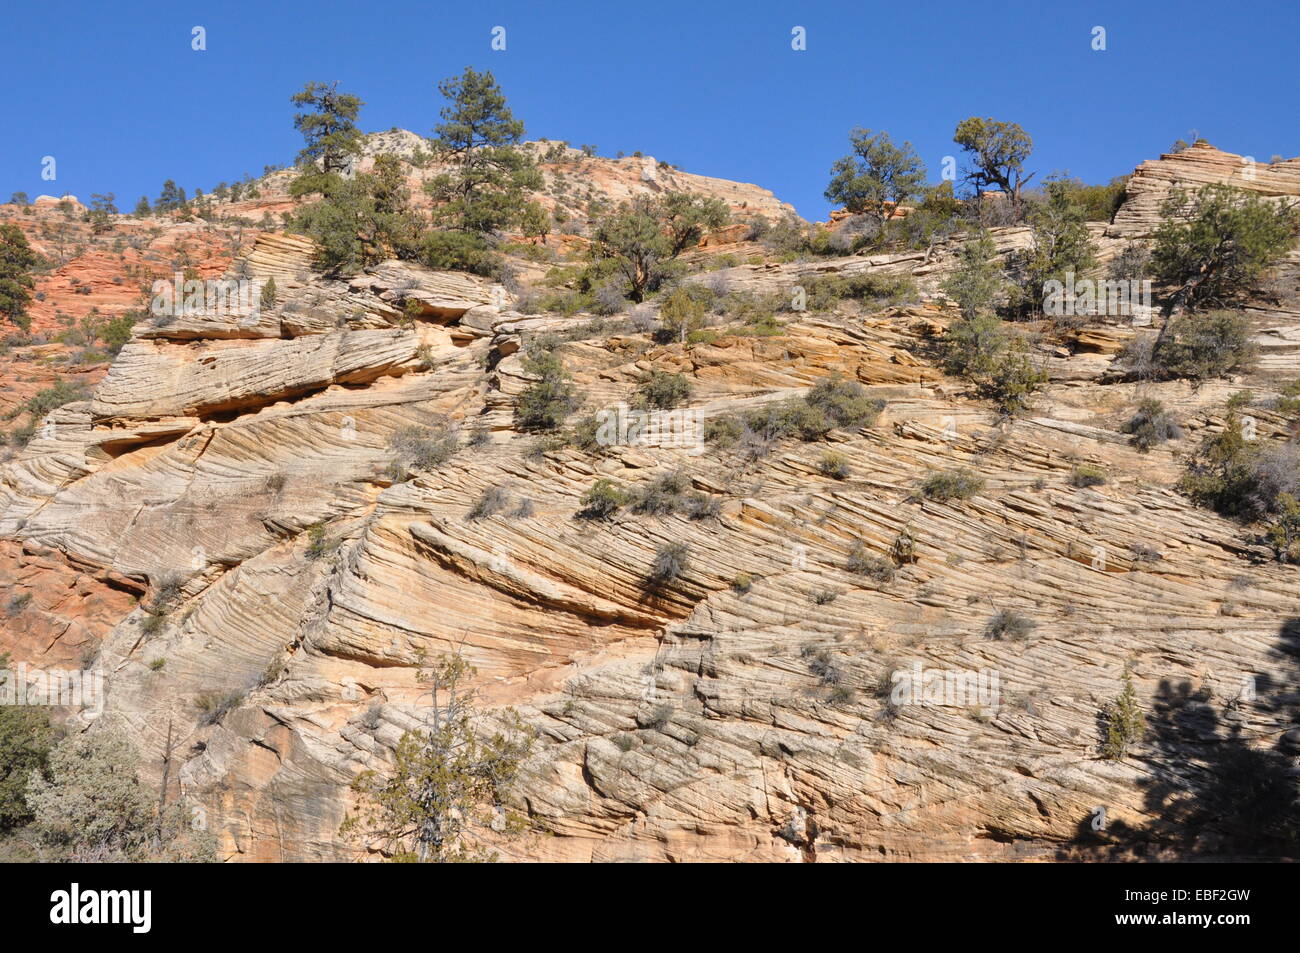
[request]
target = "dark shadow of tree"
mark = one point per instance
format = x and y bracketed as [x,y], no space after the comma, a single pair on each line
[1219,787]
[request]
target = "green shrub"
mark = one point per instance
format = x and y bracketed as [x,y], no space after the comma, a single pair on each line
[865,563]
[845,403]
[983,350]
[1009,624]
[550,399]
[663,495]
[1086,475]
[458,251]
[671,562]
[723,431]
[960,484]
[1283,533]
[663,391]
[603,500]
[1200,346]
[26,739]
[1124,722]
[977,282]
[1151,425]
[318,543]
[1241,478]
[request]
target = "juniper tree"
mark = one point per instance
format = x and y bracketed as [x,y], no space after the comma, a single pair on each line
[1061,244]
[977,282]
[998,151]
[1210,246]
[638,241]
[449,782]
[876,177]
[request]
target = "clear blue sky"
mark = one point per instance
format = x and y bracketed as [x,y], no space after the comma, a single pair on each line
[114,92]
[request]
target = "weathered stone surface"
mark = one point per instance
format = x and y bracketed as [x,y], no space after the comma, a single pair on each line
[706,719]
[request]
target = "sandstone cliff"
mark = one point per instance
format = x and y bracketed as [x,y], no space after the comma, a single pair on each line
[244,464]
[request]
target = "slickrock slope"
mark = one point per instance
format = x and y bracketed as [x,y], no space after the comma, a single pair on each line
[247,464]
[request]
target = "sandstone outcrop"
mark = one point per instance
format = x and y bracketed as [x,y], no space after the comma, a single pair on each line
[742,712]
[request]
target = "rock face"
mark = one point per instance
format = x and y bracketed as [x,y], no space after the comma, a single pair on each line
[758,707]
[1197,165]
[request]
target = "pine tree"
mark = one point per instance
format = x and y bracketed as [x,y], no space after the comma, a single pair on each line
[485,188]
[16,262]
[331,136]
[170,198]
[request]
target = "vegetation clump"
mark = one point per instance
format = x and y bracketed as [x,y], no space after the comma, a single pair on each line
[1151,425]
[959,484]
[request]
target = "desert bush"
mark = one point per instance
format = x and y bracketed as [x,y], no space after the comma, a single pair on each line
[1241,478]
[865,563]
[1283,532]
[490,502]
[960,484]
[214,706]
[742,583]
[822,664]
[825,291]
[833,465]
[603,500]
[845,403]
[684,311]
[671,562]
[723,431]
[1131,264]
[903,549]
[1151,425]
[318,542]
[663,495]
[26,738]
[996,359]
[1009,624]
[1200,346]
[547,402]
[1087,475]
[663,391]
[424,448]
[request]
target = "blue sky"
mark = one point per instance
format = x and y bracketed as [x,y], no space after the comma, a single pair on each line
[116,94]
